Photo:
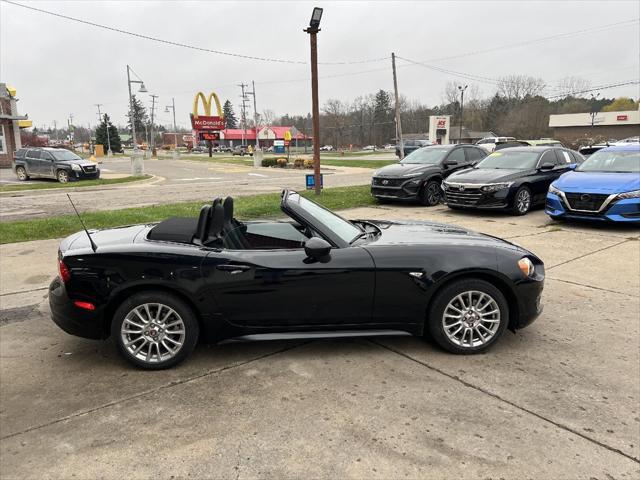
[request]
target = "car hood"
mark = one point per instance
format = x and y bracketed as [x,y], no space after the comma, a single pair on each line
[81,162]
[598,182]
[399,232]
[486,175]
[399,169]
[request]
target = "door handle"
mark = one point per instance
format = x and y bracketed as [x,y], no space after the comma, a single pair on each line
[233,269]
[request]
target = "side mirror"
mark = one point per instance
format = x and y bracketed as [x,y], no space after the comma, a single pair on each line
[572,166]
[547,166]
[450,163]
[317,247]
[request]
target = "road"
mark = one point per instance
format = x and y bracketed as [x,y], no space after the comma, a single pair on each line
[557,400]
[176,181]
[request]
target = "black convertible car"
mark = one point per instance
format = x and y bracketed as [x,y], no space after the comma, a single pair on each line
[157,288]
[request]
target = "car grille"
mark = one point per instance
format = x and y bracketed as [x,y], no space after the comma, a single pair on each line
[458,195]
[89,169]
[388,182]
[585,201]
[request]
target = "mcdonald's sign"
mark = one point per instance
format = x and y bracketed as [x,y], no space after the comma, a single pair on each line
[207,122]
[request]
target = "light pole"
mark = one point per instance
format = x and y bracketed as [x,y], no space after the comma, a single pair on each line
[109,152]
[142,89]
[176,154]
[594,110]
[462,89]
[313,30]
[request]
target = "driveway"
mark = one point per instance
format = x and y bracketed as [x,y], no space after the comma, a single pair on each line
[557,400]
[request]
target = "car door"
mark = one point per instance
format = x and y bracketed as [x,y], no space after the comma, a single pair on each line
[543,178]
[32,162]
[285,289]
[46,164]
[455,155]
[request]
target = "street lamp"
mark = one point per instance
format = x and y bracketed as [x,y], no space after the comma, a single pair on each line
[594,110]
[142,89]
[313,30]
[462,89]
[175,129]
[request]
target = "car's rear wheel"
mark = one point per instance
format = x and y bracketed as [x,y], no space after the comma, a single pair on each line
[431,193]
[468,316]
[62,176]
[522,201]
[21,173]
[154,330]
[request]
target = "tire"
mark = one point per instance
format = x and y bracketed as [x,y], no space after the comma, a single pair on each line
[21,173]
[431,193]
[148,344]
[62,176]
[470,335]
[522,201]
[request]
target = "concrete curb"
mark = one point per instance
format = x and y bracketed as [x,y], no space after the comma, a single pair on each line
[153,178]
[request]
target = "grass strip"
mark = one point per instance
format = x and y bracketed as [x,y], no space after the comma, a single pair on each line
[78,184]
[251,206]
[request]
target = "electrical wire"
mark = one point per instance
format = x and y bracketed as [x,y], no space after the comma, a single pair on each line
[185,45]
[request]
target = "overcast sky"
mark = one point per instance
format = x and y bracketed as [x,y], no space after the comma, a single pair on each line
[60,67]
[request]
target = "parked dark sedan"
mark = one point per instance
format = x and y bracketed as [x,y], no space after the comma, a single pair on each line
[157,288]
[58,163]
[410,146]
[419,175]
[512,179]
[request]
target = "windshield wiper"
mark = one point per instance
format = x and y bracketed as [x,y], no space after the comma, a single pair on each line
[359,236]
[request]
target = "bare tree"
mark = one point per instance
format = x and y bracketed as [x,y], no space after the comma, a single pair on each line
[268,116]
[517,87]
[572,86]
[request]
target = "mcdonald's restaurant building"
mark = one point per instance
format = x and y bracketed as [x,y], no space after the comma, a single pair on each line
[232,137]
[10,125]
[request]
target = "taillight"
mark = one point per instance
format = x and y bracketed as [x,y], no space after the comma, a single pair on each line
[85,305]
[65,274]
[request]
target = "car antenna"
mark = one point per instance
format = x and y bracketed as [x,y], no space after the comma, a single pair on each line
[94,247]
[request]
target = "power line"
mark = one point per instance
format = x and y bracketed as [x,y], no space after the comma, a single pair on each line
[185,45]
[468,76]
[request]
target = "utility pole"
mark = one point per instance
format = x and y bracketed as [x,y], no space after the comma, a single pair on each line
[312,30]
[109,153]
[462,89]
[55,130]
[398,122]
[243,106]
[70,125]
[175,129]
[153,139]
[255,112]
[594,110]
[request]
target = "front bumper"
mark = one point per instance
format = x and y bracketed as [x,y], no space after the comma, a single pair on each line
[74,320]
[474,197]
[621,211]
[396,188]
[84,175]
[529,295]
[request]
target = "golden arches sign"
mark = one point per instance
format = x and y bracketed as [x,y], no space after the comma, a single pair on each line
[207,122]
[206,103]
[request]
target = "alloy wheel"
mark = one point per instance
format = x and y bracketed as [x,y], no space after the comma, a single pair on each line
[471,319]
[523,201]
[153,332]
[21,173]
[432,193]
[63,177]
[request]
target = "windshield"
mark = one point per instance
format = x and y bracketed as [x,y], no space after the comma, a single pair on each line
[65,155]
[615,162]
[427,155]
[341,227]
[517,160]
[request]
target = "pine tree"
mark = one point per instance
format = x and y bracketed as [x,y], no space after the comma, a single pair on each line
[140,116]
[114,136]
[229,115]
[382,117]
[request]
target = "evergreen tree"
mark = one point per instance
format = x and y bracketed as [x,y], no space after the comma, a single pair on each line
[229,115]
[140,117]
[382,117]
[114,136]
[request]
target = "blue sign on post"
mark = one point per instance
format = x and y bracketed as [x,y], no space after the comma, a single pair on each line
[311,181]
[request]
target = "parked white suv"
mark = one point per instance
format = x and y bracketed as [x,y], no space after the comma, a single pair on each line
[489,143]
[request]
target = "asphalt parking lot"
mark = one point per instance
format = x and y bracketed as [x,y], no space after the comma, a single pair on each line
[557,400]
[174,181]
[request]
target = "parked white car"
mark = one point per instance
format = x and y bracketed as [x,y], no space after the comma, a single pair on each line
[489,143]
[370,147]
[326,148]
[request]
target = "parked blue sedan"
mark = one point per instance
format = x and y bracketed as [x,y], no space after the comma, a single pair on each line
[605,187]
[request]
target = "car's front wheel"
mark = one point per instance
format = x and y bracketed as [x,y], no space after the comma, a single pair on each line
[154,330]
[468,316]
[431,193]
[21,173]
[62,176]
[522,201]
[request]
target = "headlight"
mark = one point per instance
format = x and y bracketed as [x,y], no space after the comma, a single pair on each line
[554,190]
[75,167]
[411,174]
[494,187]
[633,194]
[526,267]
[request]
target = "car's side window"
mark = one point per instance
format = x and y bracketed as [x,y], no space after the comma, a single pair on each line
[548,157]
[33,154]
[45,156]
[563,157]
[474,154]
[457,155]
